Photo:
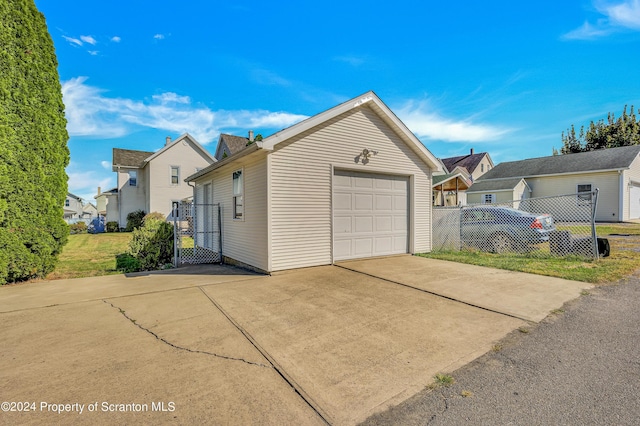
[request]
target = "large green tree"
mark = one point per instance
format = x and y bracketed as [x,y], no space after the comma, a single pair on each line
[611,133]
[33,145]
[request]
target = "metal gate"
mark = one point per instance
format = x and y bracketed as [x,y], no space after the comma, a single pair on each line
[197,233]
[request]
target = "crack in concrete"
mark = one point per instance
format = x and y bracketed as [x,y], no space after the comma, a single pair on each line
[194,351]
[277,368]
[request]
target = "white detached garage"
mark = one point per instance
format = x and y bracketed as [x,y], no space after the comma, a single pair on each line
[351,182]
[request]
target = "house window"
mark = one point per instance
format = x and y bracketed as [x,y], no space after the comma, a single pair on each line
[238,187]
[489,199]
[482,168]
[175,175]
[66,202]
[582,197]
[133,178]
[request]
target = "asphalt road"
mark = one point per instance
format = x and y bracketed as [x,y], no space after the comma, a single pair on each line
[577,367]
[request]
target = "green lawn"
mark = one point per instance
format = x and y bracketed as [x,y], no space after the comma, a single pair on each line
[624,259]
[89,255]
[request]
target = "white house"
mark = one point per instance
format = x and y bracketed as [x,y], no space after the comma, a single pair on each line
[151,181]
[72,207]
[614,171]
[350,182]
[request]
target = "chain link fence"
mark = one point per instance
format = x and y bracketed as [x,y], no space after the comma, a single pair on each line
[560,225]
[197,233]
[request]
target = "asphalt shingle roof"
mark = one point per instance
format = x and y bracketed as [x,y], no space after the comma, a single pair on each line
[603,159]
[129,157]
[494,185]
[234,143]
[469,162]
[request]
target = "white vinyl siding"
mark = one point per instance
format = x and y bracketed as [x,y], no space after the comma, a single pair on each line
[243,240]
[301,185]
[161,188]
[606,182]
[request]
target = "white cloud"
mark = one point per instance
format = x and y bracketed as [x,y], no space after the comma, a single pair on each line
[93,52]
[73,40]
[625,14]
[159,36]
[354,61]
[85,184]
[426,123]
[90,112]
[169,97]
[621,15]
[106,165]
[116,39]
[588,31]
[89,39]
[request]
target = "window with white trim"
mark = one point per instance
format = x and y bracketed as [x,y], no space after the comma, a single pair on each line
[133,178]
[238,195]
[584,193]
[175,175]
[489,199]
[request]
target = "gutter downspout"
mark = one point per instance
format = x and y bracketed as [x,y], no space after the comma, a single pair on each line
[621,194]
[119,200]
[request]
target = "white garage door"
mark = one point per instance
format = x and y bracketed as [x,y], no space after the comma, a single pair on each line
[370,215]
[634,202]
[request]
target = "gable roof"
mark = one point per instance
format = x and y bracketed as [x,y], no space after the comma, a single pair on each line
[129,158]
[442,179]
[591,161]
[70,195]
[496,185]
[470,162]
[369,98]
[185,137]
[235,144]
[138,159]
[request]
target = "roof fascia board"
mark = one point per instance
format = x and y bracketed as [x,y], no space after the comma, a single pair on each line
[270,142]
[247,151]
[557,174]
[186,136]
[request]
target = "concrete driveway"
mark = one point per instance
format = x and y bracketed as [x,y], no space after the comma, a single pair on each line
[217,344]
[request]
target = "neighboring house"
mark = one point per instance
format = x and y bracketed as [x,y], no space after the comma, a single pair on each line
[89,211]
[230,144]
[474,164]
[459,173]
[498,191]
[107,204]
[614,171]
[151,181]
[350,182]
[72,207]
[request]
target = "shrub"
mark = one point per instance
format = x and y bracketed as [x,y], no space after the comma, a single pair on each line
[154,216]
[152,244]
[78,228]
[127,263]
[134,220]
[112,226]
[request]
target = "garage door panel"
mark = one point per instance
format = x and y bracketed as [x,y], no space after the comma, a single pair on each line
[384,202]
[363,182]
[363,202]
[363,224]
[342,201]
[342,224]
[363,246]
[370,215]
[384,223]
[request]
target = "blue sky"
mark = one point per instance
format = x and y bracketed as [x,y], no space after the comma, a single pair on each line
[501,76]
